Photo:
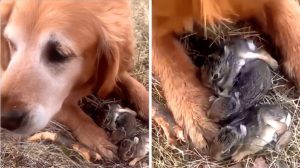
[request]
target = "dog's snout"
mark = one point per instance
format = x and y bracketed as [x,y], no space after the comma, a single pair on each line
[12,120]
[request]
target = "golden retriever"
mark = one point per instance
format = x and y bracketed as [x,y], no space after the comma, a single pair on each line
[55,52]
[186,96]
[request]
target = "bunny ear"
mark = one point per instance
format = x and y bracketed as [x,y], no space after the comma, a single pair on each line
[114,106]
[127,110]
[226,50]
[251,45]
[136,140]
[243,129]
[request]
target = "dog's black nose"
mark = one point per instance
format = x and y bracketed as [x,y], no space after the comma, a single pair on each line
[12,120]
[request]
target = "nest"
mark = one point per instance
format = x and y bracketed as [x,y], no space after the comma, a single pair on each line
[198,47]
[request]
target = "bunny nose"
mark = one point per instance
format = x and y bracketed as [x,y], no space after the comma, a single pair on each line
[12,120]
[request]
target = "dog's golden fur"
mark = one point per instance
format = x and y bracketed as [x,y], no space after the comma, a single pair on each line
[96,36]
[185,94]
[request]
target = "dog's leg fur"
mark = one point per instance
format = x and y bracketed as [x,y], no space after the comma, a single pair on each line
[187,98]
[134,92]
[282,22]
[85,130]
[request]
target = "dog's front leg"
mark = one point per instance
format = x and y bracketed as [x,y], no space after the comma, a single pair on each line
[187,98]
[86,131]
[134,92]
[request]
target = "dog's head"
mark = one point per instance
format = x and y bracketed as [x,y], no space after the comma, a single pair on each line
[51,51]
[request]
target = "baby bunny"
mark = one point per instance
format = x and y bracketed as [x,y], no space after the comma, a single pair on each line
[240,78]
[134,149]
[251,132]
[121,121]
[237,53]
[249,86]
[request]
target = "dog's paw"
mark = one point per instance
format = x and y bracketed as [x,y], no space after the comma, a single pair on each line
[190,113]
[163,117]
[179,133]
[171,130]
[202,133]
[96,139]
[61,139]
[174,134]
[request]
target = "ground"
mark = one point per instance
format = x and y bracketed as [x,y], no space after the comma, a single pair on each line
[16,152]
[282,93]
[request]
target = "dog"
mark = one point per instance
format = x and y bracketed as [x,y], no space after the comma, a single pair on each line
[55,52]
[186,96]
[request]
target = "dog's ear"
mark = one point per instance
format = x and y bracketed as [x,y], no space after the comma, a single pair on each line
[6,7]
[108,64]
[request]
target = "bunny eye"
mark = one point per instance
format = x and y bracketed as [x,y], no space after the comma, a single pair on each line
[215,76]
[123,144]
[129,152]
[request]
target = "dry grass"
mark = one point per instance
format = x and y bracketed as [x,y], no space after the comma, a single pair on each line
[282,93]
[16,152]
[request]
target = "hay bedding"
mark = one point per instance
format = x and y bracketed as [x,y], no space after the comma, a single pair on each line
[96,108]
[282,93]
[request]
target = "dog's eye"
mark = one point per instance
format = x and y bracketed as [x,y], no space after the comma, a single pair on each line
[55,53]
[12,46]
